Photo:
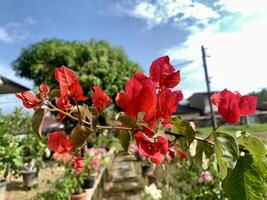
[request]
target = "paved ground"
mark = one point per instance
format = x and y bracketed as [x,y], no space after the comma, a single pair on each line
[16,190]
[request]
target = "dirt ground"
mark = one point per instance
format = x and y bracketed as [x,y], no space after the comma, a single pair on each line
[16,190]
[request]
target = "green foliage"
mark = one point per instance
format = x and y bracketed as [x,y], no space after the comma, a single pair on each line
[226,151]
[10,151]
[95,62]
[203,149]
[124,137]
[247,181]
[252,128]
[33,150]
[262,95]
[254,145]
[181,182]
[183,127]
[70,183]
[18,144]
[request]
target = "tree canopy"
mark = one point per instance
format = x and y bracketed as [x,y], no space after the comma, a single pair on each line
[95,62]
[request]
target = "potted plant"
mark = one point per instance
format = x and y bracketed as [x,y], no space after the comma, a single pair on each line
[33,152]
[10,157]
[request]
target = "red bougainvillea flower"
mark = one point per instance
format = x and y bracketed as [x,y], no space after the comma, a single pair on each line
[171,154]
[153,148]
[100,99]
[140,96]
[29,100]
[162,72]
[62,103]
[58,142]
[181,155]
[168,101]
[44,89]
[77,164]
[69,84]
[232,105]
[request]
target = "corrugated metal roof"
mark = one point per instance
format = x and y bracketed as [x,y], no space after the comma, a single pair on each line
[8,86]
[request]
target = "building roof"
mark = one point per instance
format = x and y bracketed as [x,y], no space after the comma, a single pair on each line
[201,93]
[185,109]
[8,86]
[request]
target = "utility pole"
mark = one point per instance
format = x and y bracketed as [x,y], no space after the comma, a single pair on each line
[213,121]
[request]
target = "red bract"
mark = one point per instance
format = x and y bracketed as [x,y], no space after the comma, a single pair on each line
[62,103]
[232,105]
[162,72]
[69,84]
[140,96]
[168,101]
[29,100]
[170,155]
[181,155]
[100,99]
[154,149]
[77,164]
[44,89]
[59,143]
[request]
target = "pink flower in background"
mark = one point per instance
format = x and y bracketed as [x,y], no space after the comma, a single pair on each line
[94,163]
[205,177]
[62,157]
[101,150]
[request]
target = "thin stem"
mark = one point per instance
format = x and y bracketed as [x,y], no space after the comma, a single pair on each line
[79,112]
[67,114]
[115,127]
[177,135]
[88,123]
[214,130]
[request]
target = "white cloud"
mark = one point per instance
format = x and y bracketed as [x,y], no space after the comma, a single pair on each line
[163,11]
[4,36]
[16,31]
[237,57]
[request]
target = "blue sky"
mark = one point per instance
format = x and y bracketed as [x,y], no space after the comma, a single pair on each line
[234,31]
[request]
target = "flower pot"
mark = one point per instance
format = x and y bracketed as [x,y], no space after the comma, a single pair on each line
[3,184]
[81,196]
[88,183]
[30,178]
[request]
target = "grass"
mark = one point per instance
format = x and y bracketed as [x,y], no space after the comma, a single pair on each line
[252,128]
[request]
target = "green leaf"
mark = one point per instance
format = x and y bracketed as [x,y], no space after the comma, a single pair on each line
[125,119]
[203,148]
[37,121]
[254,145]
[183,127]
[124,137]
[247,180]
[226,152]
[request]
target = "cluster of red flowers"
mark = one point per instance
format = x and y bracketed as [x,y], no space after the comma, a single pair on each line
[153,96]
[61,145]
[30,100]
[70,89]
[232,105]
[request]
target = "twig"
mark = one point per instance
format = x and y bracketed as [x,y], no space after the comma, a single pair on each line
[214,130]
